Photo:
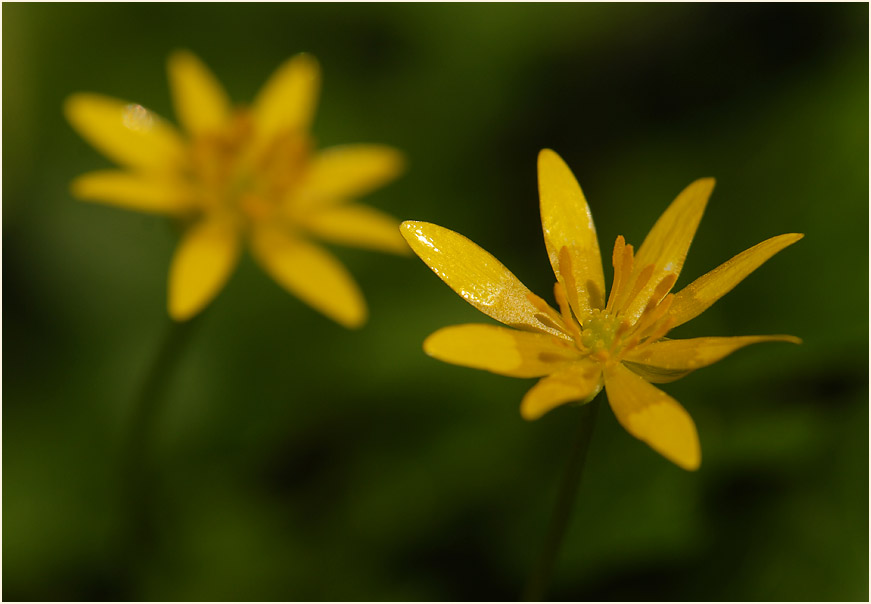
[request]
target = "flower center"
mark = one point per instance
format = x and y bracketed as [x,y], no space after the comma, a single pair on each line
[598,332]
[254,179]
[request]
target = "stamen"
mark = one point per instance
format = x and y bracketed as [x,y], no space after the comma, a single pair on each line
[663,287]
[618,334]
[640,282]
[552,318]
[617,263]
[568,275]
[559,292]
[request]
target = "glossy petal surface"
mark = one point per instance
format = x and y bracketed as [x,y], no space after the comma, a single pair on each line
[680,355]
[699,295]
[352,171]
[667,243]
[357,225]
[134,191]
[202,263]
[579,382]
[310,273]
[500,350]
[477,276]
[287,101]
[652,416]
[127,133]
[567,222]
[201,104]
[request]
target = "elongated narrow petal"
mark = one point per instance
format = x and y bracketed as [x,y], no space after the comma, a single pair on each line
[567,223]
[501,350]
[202,263]
[201,104]
[653,417]
[682,355]
[666,246]
[287,101]
[478,277]
[699,295]
[349,171]
[132,191]
[311,273]
[579,382]
[127,133]
[357,225]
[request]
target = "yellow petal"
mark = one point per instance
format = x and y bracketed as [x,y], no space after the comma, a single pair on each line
[351,171]
[478,277]
[500,350]
[201,104]
[356,225]
[202,263]
[579,382]
[145,193]
[653,417]
[682,355]
[311,273]
[287,101]
[127,133]
[665,247]
[567,222]
[699,295]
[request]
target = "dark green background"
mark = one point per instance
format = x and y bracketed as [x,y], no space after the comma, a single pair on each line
[301,461]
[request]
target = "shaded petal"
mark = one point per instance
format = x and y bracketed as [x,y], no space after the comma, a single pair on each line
[311,273]
[500,350]
[699,295]
[478,277]
[287,101]
[653,417]
[666,246]
[579,382]
[202,263]
[690,354]
[201,103]
[351,171]
[145,193]
[356,225]
[127,133]
[567,222]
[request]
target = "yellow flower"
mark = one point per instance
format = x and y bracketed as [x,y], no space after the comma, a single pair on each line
[618,342]
[237,173]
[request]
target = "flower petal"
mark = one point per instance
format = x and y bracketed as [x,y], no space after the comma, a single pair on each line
[478,277]
[287,101]
[696,297]
[579,382]
[693,353]
[500,350]
[567,222]
[311,273]
[201,103]
[653,417]
[665,247]
[351,171]
[127,133]
[152,193]
[202,263]
[356,225]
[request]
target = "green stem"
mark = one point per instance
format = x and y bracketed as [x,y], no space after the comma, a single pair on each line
[139,476]
[540,577]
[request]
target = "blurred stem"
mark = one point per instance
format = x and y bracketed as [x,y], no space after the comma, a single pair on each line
[541,574]
[139,476]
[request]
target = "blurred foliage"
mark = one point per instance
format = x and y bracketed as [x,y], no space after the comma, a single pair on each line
[301,461]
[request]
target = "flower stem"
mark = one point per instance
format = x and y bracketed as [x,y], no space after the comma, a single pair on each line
[540,577]
[139,476]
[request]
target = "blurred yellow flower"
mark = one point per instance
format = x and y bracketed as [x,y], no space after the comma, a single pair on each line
[618,342]
[237,173]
